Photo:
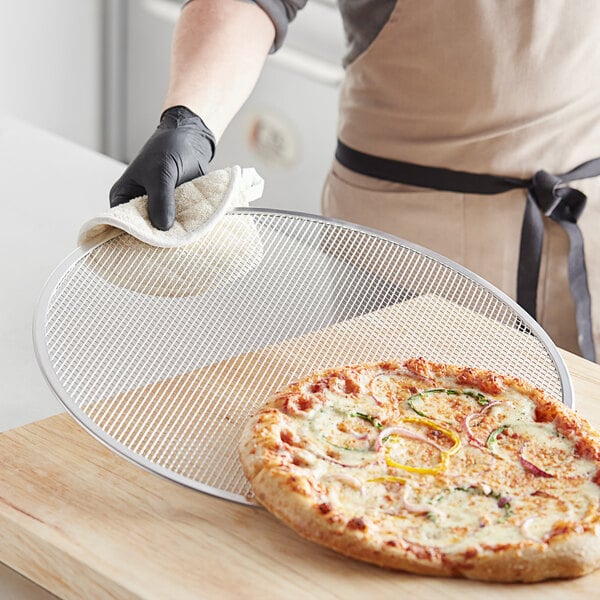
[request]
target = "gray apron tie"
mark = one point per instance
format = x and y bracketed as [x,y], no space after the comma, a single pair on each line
[547,195]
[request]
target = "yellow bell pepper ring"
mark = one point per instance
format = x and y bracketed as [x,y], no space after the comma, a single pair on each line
[447,432]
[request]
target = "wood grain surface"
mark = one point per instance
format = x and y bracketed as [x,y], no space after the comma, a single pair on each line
[84,523]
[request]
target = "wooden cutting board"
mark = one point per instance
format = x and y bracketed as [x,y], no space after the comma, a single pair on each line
[84,523]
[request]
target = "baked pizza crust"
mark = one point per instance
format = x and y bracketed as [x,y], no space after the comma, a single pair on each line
[288,489]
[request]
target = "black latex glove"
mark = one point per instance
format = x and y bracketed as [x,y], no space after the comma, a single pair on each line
[178,151]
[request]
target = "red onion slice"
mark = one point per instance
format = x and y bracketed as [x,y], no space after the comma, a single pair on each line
[524,528]
[467,427]
[407,433]
[502,502]
[350,480]
[359,436]
[529,466]
[321,455]
[379,376]
[417,508]
[473,440]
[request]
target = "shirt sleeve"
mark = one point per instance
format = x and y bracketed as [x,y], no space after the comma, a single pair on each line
[281,12]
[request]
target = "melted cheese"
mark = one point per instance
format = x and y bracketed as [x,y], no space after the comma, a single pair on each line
[482,497]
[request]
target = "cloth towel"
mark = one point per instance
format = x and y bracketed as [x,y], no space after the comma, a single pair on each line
[204,250]
[200,205]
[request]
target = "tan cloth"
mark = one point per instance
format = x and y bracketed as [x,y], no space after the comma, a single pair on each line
[199,206]
[204,250]
[502,87]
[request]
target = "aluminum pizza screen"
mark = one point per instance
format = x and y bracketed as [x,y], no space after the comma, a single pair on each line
[163,353]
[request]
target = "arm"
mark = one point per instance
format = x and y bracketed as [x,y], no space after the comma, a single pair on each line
[218,51]
[219,48]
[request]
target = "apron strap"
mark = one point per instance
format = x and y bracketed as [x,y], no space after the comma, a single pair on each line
[547,195]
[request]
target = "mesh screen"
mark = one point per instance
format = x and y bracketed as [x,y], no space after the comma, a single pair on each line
[163,353]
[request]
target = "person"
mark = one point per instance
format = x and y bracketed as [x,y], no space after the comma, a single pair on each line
[462,125]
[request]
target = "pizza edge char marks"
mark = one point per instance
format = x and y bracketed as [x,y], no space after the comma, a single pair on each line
[431,468]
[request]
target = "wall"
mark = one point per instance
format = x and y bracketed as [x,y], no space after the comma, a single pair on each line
[50,66]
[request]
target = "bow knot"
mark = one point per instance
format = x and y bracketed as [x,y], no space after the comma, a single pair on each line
[549,195]
[555,199]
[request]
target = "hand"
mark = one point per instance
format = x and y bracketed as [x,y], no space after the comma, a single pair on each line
[178,151]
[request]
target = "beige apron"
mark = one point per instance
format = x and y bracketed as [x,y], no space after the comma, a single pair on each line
[505,87]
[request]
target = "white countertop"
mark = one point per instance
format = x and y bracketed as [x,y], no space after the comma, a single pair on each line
[49,187]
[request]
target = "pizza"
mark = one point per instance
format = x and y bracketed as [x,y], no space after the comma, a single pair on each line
[431,468]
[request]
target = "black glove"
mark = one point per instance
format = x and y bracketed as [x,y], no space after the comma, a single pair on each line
[178,151]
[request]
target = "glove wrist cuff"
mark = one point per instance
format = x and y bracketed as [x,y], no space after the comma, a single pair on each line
[178,112]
